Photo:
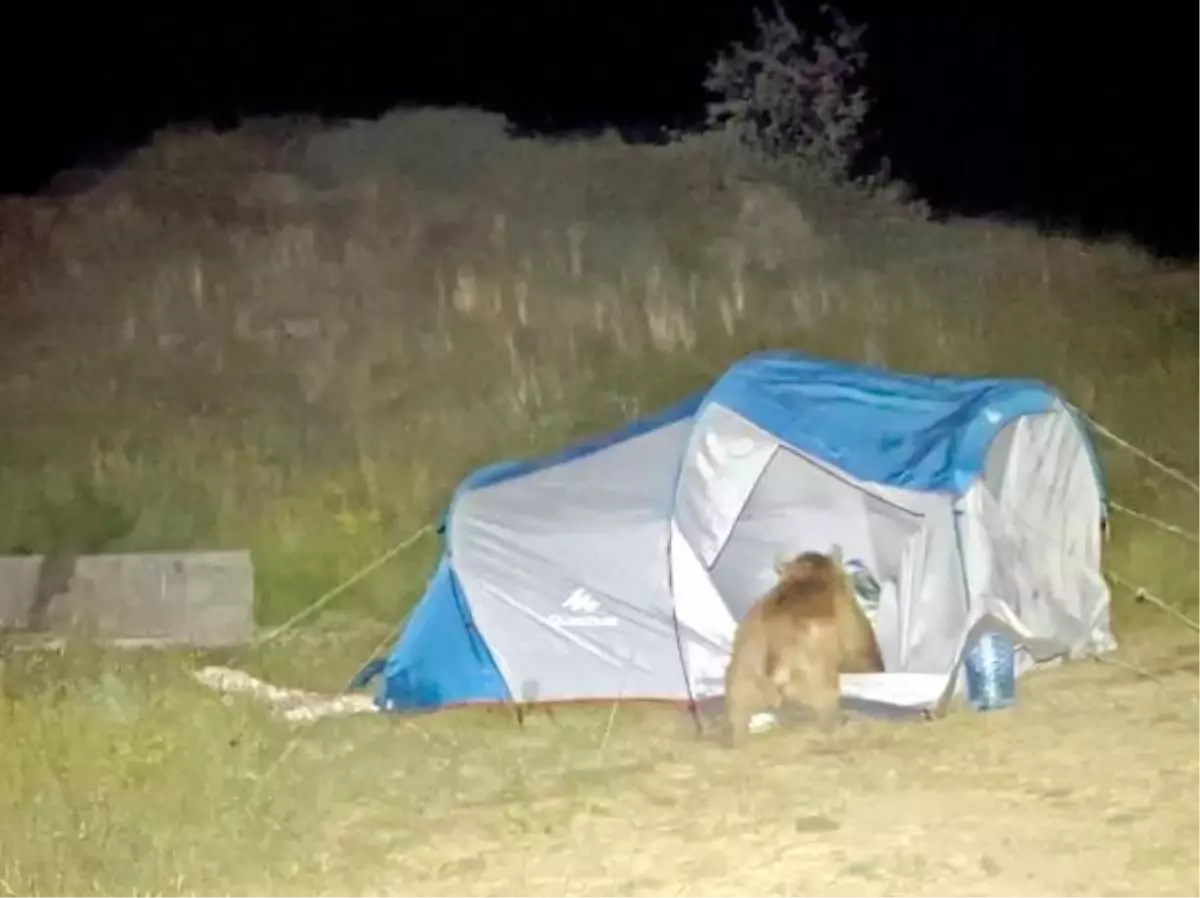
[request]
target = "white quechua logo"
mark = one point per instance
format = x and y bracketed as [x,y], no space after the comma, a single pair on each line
[582,607]
[581,603]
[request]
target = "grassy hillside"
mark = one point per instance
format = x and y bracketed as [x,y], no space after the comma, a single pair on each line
[297,338]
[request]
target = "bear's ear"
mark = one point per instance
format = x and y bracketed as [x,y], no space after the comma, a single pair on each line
[835,553]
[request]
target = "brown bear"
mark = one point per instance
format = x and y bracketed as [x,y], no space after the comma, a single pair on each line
[795,640]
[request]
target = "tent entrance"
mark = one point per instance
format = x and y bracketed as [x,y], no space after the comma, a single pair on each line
[798,505]
[900,548]
[746,499]
[894,551]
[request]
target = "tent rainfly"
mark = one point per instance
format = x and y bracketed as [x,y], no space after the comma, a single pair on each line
[620,568]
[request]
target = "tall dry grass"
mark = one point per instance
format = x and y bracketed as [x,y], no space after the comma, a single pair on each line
[297,338]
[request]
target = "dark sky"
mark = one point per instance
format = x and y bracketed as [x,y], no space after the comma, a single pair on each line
[1078,112]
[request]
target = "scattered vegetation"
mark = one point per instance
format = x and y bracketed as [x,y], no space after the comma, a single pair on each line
[792,97]
[297,336]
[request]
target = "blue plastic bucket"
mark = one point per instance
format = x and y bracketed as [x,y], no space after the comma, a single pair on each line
[991,672]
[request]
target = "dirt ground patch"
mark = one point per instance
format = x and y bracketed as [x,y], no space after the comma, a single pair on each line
[1087,787]
[126,776]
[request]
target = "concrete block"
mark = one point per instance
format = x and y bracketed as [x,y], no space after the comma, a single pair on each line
[203,599]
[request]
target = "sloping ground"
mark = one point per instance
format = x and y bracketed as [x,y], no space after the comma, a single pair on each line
[1089,787]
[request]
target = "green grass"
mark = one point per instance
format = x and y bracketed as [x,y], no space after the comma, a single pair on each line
[232,344]
[119,775]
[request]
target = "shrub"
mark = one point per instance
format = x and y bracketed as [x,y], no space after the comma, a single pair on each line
[791,96]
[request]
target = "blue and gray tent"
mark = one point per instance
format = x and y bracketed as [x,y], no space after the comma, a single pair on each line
[619,568]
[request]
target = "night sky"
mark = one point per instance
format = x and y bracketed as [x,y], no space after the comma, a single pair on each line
[1081,114]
